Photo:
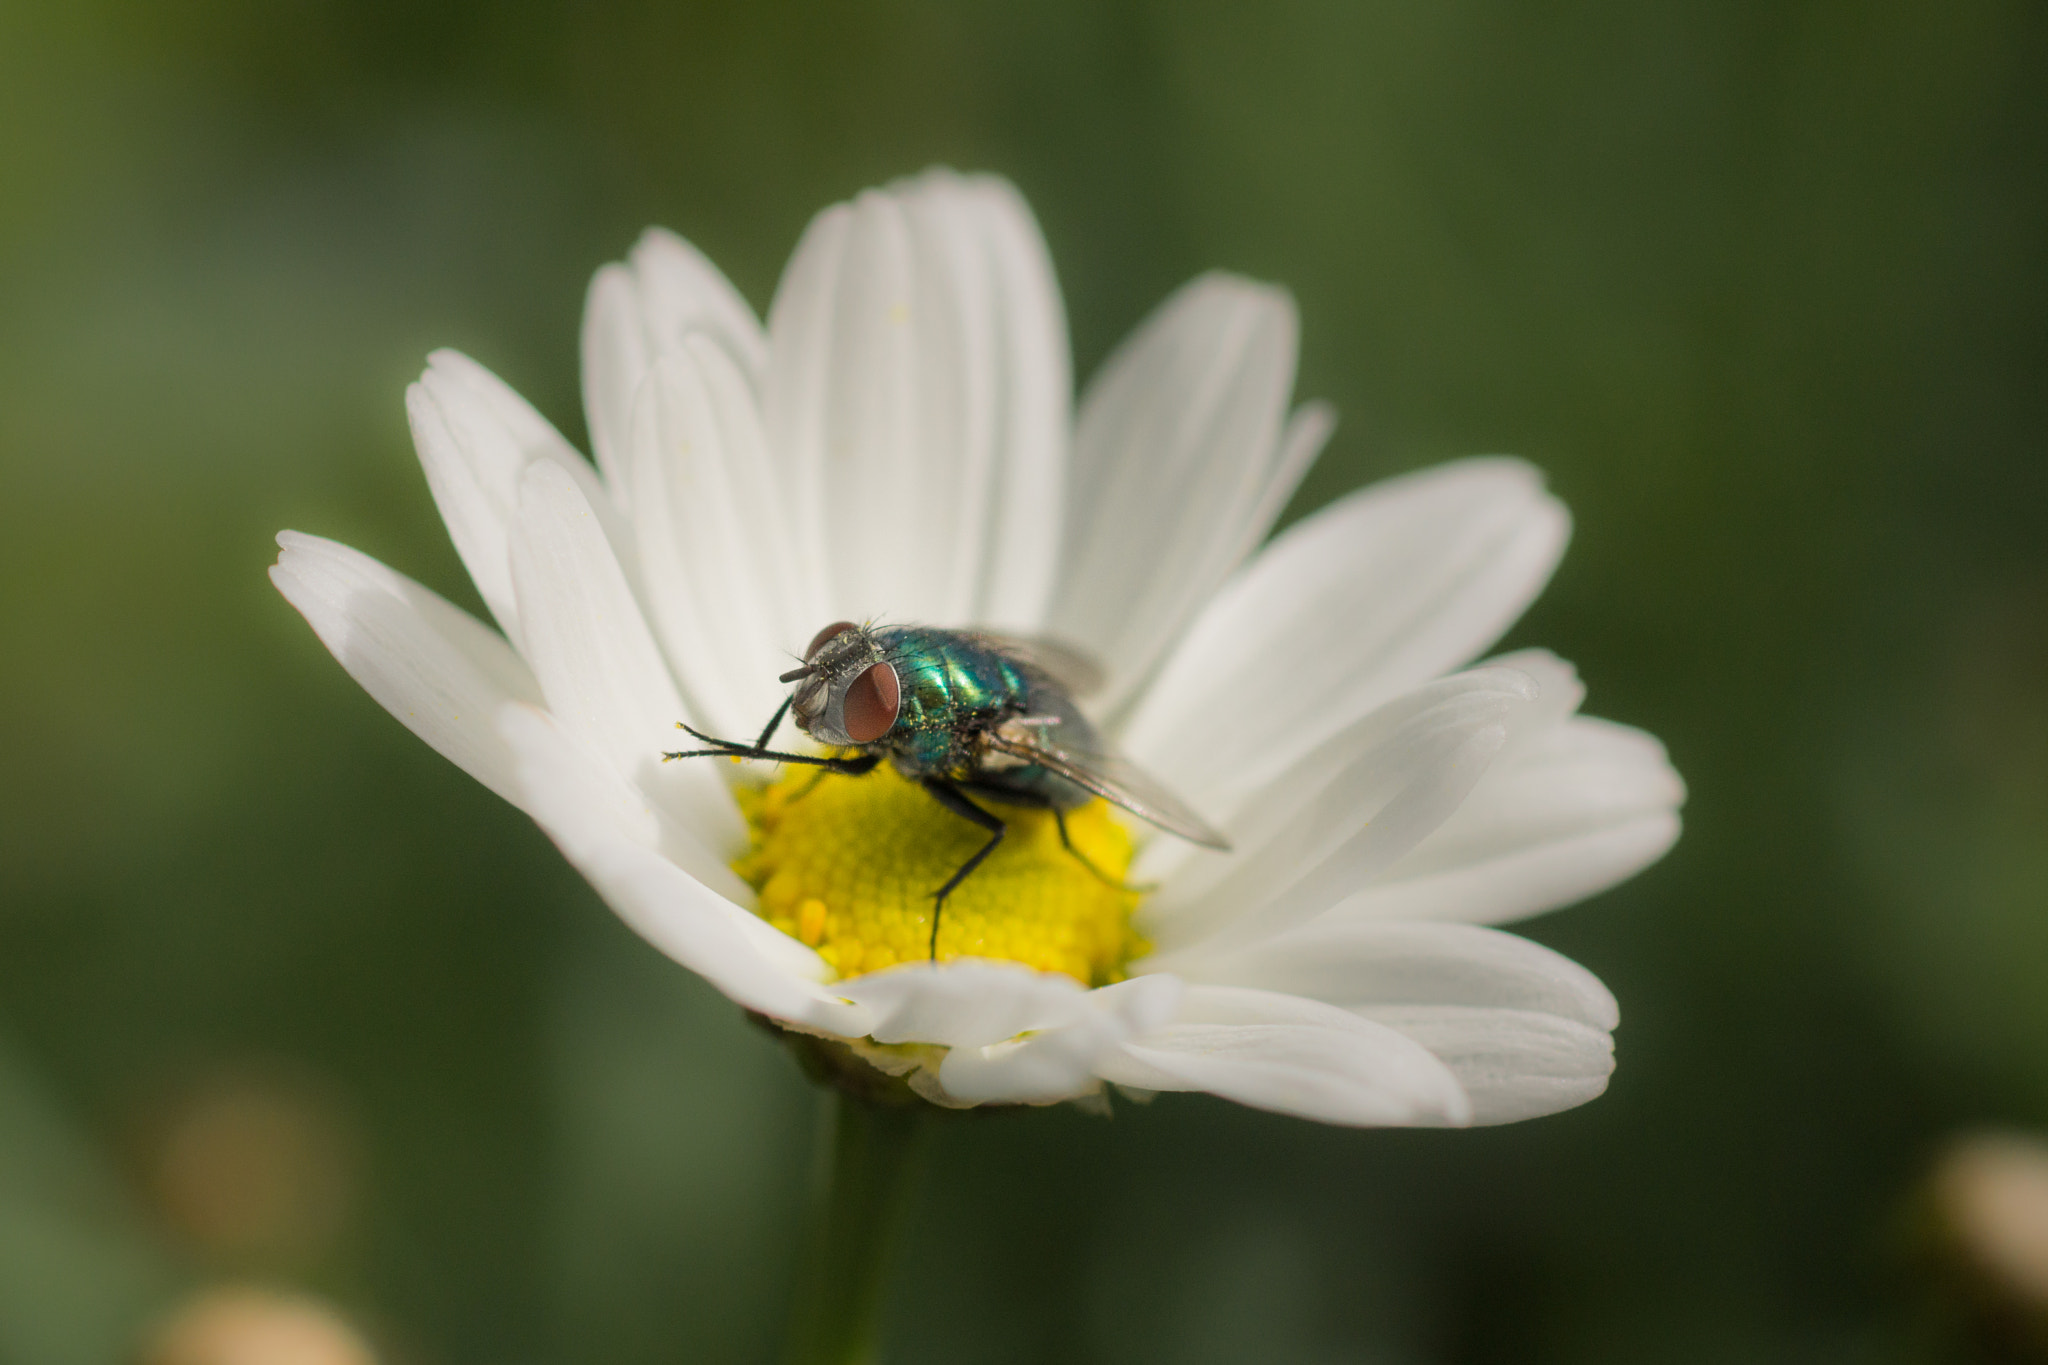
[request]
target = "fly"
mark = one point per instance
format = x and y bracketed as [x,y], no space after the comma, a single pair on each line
[965,714]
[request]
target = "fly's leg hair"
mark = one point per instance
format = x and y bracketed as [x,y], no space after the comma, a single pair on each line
[949,795]
[1039,801]
[768,730]
[727,748]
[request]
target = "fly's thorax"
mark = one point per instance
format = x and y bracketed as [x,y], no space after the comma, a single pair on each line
[861,686]
[949,680]
[935,701]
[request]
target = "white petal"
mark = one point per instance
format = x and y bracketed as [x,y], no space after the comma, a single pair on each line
[587,799]
[1179,469]
[1378,593]
[475,438]
[1016,1036]
[666,293]
[844,406]
[728,587]
[1515,1064]
[683,296]
[616,356]
[1059,1064]
[1291,1056]
[438,669]
[1340,817]
[1569,813]
[576,800]
[1558,695]
[966,1003]
[1366,965]
[920,375]
[597,664]
[1585,773]
[798,381]
[1034,382]
[955,385]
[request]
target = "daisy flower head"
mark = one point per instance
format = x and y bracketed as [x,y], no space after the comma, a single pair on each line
[899,447]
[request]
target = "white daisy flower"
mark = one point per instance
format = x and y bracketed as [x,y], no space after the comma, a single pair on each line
[897,445]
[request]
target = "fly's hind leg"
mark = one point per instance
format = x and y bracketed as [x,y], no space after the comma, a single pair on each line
[1059,820]
[949,795]
[1039,801]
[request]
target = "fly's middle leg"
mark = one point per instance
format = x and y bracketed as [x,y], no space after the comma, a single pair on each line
[949,795]
[1059,820]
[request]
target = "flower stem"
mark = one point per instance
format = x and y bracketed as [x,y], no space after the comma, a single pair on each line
[856,1211]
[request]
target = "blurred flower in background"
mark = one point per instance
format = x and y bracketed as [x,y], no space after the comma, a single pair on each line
[1988,1200]
[256,1168]
[248,1326]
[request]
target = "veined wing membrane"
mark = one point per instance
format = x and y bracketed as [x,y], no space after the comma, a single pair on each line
[1118,781]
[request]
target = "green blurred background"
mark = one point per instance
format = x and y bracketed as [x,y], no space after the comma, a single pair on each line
[285,997]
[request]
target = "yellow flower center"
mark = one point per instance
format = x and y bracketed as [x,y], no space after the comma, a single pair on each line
[848,865]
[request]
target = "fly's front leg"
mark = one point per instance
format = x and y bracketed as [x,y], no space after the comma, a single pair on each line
[950,796]
[768,730]
[728,748]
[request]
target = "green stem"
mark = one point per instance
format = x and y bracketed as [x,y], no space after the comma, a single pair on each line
[856,1212]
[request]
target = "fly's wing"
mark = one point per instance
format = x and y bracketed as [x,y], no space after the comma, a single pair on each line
[1117,780]
[1072,667]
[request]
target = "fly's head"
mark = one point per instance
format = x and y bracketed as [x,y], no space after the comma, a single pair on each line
[847,691]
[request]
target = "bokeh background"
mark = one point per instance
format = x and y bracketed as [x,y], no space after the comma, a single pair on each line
[287,1000]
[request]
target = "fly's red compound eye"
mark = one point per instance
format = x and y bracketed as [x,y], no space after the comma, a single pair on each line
[872,701]
[818,640]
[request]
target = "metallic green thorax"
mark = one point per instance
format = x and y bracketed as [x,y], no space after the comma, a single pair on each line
[954,689]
